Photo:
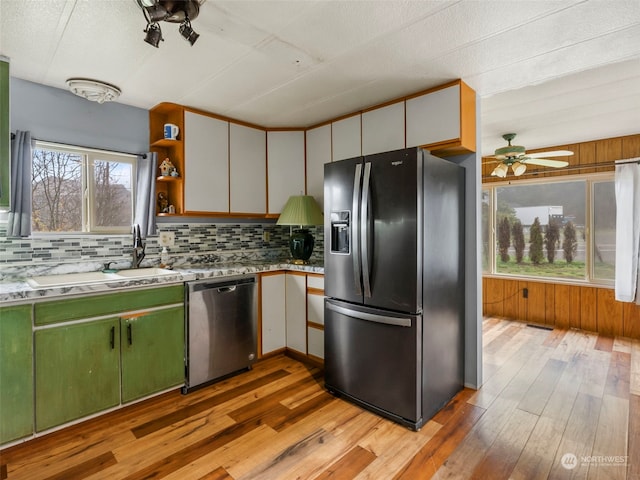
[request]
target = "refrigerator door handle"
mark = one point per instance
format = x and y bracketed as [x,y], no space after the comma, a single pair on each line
[364,229]
[370,317]
[355,252]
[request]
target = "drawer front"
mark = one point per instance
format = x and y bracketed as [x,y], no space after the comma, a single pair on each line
[314,281]
[98,305]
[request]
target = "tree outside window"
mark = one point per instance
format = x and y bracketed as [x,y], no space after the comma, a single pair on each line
[76,190]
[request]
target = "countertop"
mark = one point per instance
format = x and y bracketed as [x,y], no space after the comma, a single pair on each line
[19,291]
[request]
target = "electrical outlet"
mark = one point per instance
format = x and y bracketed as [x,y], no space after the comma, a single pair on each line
[525,293]
[167,239]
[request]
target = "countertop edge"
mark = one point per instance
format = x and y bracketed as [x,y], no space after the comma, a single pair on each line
[20,292]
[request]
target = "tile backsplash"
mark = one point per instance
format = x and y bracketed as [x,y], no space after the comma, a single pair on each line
[194,243]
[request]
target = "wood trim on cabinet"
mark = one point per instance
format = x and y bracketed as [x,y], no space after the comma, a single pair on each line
[315,291]
[317,326]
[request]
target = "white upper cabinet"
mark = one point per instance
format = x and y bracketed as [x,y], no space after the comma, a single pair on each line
[434,117]
[247,169]
[206,156]
[383,129]
[318,153]
[285,163]
[346,138]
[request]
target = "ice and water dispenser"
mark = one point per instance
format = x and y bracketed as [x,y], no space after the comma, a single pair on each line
[340,232]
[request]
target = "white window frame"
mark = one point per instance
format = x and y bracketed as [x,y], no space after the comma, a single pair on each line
[590,180]
[89,156]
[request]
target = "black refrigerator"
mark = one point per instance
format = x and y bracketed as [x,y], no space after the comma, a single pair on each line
[394,283]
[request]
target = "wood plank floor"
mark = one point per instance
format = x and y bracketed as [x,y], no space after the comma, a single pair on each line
[555,404]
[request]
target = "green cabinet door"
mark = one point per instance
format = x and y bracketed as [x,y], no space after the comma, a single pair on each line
[152,348]
[77,371]
[16,373]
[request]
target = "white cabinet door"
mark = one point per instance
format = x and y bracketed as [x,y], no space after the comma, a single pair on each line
[383,129]
[346,138]
[296,312]
[316,342]
[206,158]
[285,161]
[434,117]
[273,313]
[318,153]
[247,169]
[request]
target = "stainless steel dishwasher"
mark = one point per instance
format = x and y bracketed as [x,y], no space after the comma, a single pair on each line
[221,325]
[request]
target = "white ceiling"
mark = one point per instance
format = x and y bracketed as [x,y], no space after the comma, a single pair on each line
[555,72]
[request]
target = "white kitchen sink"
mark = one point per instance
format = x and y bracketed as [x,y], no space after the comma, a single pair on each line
[144,272]
[71,279]
[96,277]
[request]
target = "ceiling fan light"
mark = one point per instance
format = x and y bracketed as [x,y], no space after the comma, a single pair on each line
[518,168]
[500,171]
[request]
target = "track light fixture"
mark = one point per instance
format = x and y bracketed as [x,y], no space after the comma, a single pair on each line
[187,32]
[153,34]
[173,11]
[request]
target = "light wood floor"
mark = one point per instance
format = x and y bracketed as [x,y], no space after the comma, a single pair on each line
[546,394]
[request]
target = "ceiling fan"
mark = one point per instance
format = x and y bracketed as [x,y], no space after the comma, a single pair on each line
[514,156]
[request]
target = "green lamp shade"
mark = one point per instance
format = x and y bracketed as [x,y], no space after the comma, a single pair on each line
[301,210]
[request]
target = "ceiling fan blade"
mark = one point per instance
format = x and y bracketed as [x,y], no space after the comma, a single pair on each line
[555,153]
[545,162]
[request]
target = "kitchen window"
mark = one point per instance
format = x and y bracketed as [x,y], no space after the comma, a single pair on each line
[77,190]
[552,228]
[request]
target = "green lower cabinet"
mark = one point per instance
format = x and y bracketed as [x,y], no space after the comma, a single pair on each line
[16,373]
[77,371]
[152,349]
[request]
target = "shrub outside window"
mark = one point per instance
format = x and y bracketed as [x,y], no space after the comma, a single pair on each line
[81,190]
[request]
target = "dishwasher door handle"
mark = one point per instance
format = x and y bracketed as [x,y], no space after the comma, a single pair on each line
[227,289]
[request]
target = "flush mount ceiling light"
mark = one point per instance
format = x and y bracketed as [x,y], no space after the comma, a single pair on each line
[93,90]
[173,11]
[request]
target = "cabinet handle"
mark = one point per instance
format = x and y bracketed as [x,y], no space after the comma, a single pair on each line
[129,335]
[113,338]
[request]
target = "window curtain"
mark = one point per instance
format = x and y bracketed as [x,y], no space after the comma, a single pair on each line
[19,220]
[627,183]
[146,193]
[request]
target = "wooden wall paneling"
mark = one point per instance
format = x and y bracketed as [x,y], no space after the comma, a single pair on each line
[575,312]
[587,152]
[631,320]
[608,150]
[494,305]
[609,313]
[562,305]
[631,146]
[511,300]
[588,309]
[536,301]
[549,304]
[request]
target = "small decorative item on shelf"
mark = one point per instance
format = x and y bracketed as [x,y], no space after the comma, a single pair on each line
[166,167]
[172,209]
[174,172]
[163,203]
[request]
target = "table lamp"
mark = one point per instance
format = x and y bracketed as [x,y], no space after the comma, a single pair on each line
[301,210]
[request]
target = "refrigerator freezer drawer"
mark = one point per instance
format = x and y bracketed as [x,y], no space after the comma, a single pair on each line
[374,357]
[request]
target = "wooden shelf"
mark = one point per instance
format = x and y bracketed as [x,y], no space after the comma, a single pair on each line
[168,178]
[165,142]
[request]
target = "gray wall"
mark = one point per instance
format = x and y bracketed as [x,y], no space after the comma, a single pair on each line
[56,115]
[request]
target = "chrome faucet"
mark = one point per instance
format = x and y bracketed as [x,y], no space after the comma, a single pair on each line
[138,247]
